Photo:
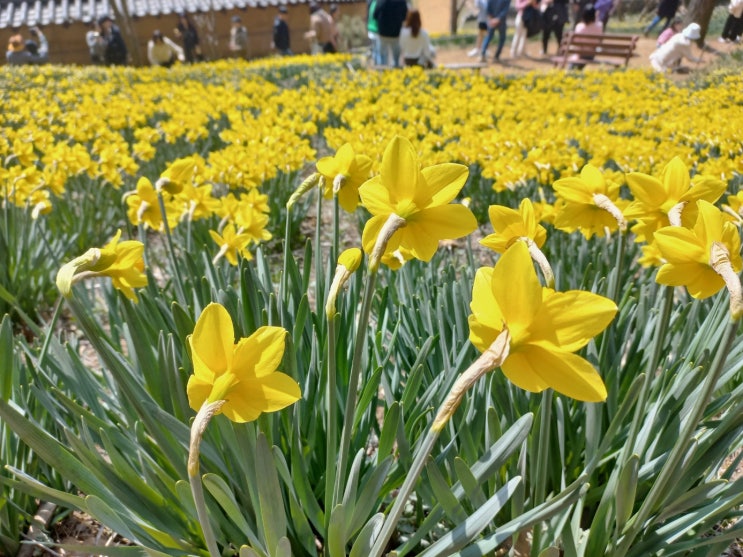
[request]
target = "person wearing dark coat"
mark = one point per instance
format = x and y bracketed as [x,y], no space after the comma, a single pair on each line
[555,16]
[116,53]
[281,33]
[666,10]
[186,30]
[497,11]
[390,15]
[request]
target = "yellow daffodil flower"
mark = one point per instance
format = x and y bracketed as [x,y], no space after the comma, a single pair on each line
[121,261]
[545,327]
[590,203]
[144,207]
[655,199]
[343,174]
[689,253]
[177,175]
[231,243]
[421,197]
[510,225]
[243,374]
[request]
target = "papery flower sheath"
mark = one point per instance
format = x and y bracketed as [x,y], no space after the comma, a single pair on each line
[545,327]
[243,374]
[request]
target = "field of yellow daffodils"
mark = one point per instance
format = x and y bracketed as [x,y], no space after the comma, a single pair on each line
[294,307]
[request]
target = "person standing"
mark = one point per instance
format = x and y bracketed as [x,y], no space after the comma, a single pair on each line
[96,44]
[519,28]
[390,15]
[555,17]
[238,38]
[320,34]
[733,28]
[281,33]
[676,48]
[372,31]
[482,26]
[666,10]
[186,32]
[497,11]
[116,53]
[161,51]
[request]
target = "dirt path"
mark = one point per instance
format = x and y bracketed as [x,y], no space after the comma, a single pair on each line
[534,62]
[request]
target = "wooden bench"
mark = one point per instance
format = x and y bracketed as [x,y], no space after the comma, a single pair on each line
[584,48]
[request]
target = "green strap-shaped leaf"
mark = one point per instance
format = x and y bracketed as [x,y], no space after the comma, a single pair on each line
[222,493]
[366,502]
[443,493]
[273,516]
[471,487]
[52,452]
[470,528]
[389,432]
[626,490]
[336,540]
[365,540]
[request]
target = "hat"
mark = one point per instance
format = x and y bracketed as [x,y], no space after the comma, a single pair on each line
[283,10]
[693,31]
[103,19]
[236,19]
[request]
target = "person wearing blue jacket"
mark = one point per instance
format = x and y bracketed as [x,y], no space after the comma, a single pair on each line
[497,11]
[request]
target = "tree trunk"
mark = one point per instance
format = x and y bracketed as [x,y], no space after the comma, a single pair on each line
[454,17]
[700,11]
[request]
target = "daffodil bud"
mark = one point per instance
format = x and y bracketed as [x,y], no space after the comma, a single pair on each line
[310,182]
[348,262]
[94,259]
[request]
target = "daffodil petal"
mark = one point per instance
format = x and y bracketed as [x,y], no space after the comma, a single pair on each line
[574,317]
[259,354]
[534,368]
[213,338]
[400,170]
[699,279]
[444,182]
[517,289]
[676,179]
[198,389]
[679,245]
[376,197]
[647,190]
[267,394]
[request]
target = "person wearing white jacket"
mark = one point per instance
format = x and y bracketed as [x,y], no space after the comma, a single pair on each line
[679,46]
[733,28]
[161,51]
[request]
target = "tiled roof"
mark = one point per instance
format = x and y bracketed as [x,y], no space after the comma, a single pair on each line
[18,13]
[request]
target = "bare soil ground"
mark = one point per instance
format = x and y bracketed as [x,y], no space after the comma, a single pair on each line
[534,61]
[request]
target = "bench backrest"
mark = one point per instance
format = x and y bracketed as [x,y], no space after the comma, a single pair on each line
[587,46]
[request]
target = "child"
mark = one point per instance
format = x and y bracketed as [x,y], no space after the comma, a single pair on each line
[668,32]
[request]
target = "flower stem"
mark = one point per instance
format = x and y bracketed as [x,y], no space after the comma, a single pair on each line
[283,285]
[658,491]
[492,358]
[353,383]
[660,333]
[171,252]
[392,224]
[411,477]
[332,425]
[207,410]
[540,482]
